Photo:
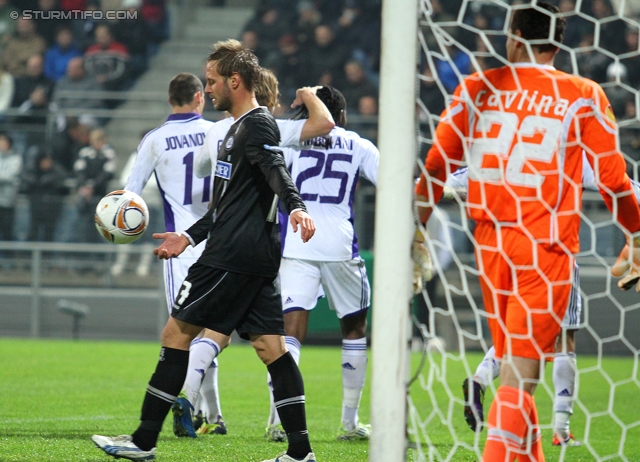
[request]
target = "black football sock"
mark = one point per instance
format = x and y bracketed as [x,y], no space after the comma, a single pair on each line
[162,391]
[288,395]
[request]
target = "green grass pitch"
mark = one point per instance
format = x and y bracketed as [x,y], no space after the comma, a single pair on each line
[56,394]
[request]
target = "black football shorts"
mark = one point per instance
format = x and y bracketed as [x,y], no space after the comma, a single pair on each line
[224,301]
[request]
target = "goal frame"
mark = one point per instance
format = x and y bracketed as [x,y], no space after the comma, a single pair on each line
[394,224]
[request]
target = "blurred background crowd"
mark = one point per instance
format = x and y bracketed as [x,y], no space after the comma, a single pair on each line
[61,164]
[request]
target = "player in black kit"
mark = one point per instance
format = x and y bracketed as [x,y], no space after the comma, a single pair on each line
[232,285]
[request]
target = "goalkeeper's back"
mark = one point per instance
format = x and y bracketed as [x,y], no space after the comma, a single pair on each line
[524,129]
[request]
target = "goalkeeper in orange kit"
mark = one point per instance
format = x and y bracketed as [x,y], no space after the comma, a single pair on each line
[522,129]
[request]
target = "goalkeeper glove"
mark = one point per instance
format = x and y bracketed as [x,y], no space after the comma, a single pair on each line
[627,265]
[422,266]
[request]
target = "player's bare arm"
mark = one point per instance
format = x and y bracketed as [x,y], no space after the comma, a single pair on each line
[320,121]
[174,244]
[305,222]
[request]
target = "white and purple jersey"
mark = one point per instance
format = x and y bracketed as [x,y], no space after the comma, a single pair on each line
[458,179]
[169,151]
[325,171]
[207,156]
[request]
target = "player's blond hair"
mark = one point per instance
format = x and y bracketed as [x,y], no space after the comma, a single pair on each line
[232,57]
[267,92]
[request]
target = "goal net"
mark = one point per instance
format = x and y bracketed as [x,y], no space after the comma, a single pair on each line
[450,334]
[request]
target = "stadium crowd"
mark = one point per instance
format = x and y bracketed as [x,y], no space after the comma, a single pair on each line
[49,67]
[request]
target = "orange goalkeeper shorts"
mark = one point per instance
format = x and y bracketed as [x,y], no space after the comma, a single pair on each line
[525,288]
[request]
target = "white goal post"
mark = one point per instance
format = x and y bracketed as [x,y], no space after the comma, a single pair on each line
[394,231]
[424,421]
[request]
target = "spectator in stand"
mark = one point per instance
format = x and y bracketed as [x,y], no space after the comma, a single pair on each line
[33,94]
[269,26]
[68,5]
[44,182]
[308,19]
[154,13]
[326,57]
[290,66]
[66,144]
[21,46]
[7,23]
[430,93]
[356,85]
[577,26]
[58,56]
[46,27]
[457,65]
[592,64]
[77,80]
[134,34]
[84,29]
[611,36]
[10,168]
[330,9]
[632,63]
[251,41]
[7,86]
[107,59]
[94,169]
[368,109]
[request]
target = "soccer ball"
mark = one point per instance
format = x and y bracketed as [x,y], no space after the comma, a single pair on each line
[121,217]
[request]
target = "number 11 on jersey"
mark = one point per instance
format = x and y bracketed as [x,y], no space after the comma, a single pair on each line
[187,160]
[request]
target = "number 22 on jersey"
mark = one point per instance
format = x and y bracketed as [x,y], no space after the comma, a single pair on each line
[542,135]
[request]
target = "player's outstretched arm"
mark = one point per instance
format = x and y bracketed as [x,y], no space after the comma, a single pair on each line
[305,222]
[173,245]
[627,266]
[320,122]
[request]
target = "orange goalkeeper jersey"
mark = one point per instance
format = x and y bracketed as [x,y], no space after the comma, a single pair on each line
[521,129]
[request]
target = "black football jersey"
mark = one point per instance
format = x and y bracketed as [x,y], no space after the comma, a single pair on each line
[242,235]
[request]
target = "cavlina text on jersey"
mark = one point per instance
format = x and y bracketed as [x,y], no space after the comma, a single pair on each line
[184,141]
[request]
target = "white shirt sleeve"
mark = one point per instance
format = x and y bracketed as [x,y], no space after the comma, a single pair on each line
[459,179]
[369,160]
[143,166]
[202,167]
[290,131]
[588,176]
[636,189]
[289,155]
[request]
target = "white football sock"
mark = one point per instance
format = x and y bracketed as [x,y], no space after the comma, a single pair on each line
[293,345]
[210,394]
[354,369]
[564,384]
[488,370]
[201,354]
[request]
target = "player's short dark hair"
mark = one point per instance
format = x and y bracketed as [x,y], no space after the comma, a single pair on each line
[233,57]
[535,24]
[335,102]
[182,88]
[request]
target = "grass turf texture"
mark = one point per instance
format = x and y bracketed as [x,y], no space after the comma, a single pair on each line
[58,393]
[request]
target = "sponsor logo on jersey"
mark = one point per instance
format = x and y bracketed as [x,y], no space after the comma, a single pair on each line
[288,300]
[609,113]
[223,169]
[229,143]
[348,366]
